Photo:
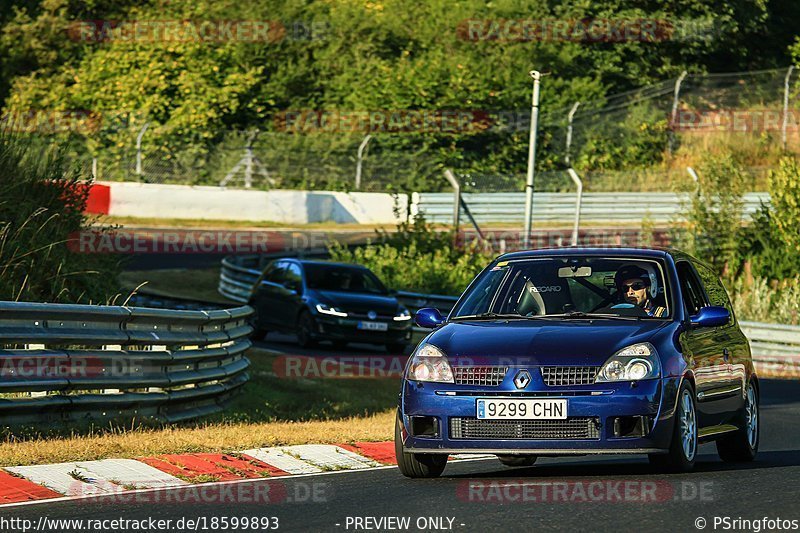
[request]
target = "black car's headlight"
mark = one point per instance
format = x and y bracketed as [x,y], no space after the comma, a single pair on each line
[633,363]
[403,315]
[328,310]
[429,363]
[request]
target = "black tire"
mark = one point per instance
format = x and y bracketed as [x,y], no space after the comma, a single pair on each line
[741,445]
[416,465]
[304,329]
[517,460]
[396,348]
[680,457]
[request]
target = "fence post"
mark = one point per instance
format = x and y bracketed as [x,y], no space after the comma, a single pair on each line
[577,180]
[456,198]
[526,238]
[139,150]
[569,131]
[785,106]
[675,101]
[361,148]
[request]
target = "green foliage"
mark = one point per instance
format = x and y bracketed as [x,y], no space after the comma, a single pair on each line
[42,201]
[760,300]
[418,259]
[712,224]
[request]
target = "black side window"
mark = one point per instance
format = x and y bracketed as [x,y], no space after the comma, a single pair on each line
[692,291]
[714,288]
[294,277]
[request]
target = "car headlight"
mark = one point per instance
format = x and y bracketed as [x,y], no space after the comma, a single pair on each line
[328,310]
[636,362]
[429,363]
[403,315]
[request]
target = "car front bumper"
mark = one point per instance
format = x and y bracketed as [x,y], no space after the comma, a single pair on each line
[346,329]
[650,400]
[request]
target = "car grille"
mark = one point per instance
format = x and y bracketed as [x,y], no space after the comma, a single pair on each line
[487,376]
[571,428]
[569,375]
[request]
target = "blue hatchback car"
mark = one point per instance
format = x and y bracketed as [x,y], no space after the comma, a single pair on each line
[581,351]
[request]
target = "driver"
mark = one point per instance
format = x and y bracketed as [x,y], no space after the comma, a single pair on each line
[634,286]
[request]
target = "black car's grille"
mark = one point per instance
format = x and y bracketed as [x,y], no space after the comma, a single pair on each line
[487,376]
[569,375]
[571,428]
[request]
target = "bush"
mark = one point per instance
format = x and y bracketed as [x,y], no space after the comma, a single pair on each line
[418,259]
[42,202]
[713,219]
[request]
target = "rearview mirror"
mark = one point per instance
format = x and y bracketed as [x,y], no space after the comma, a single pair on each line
[572,272]
[429,318]
[710,317]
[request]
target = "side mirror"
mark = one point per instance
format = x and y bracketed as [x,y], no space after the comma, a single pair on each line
[710,317]
[429,318]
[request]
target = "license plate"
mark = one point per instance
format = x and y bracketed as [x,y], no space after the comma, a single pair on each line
[373,326]
[527,409]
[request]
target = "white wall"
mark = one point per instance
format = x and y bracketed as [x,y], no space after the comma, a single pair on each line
[149,200]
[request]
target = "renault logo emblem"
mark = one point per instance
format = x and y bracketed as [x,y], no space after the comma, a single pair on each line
[372,315]
[522,379]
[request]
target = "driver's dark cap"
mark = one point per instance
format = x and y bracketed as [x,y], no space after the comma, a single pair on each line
[631,272]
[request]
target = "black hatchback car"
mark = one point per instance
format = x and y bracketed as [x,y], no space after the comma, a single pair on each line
[337,302]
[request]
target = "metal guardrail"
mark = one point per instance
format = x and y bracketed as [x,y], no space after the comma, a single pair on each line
[775,347]
[62,362]
[558,207]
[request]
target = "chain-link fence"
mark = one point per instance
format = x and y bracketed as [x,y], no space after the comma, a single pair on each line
[641,140]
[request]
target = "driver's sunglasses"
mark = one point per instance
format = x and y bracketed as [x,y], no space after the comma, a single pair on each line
[637,286]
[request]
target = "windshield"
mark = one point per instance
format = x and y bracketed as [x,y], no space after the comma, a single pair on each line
[343,278]
[569,286]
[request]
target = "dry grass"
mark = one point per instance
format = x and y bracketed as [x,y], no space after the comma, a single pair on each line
[224,438]
[192,284]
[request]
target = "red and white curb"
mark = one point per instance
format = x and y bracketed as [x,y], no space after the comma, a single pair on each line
[81,479]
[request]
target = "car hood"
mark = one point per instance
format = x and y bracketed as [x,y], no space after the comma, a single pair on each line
[540,342]
[356,302]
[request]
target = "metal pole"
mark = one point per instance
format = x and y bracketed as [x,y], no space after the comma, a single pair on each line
[693,174]
[456,197]
[675,101]
[94,169]
[361,148]
[786,105]
[139,150]
[569,130]
[526,238]
[577,180]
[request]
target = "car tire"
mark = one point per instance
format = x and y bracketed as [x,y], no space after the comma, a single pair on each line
[742,445]
[517,460]
[396,348]
[416,465]
[304,330]
[683,446]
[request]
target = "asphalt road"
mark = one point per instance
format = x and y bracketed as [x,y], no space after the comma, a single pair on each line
[584,493]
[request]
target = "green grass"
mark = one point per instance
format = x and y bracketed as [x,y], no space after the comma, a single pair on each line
[191,284]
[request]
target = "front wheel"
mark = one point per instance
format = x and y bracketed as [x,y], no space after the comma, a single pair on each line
[305,329]
[683,447]
[742,445]
[416,465]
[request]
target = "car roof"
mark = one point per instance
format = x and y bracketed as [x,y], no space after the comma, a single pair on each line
[610,251]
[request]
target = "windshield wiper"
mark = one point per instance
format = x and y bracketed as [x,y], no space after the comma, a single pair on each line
[494,316]
[581,314]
